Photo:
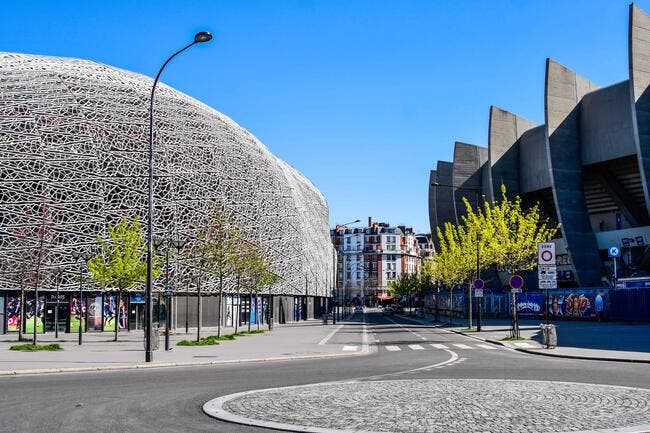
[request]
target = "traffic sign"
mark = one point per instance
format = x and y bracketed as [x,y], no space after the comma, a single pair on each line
[614,251]
[478,283]
[515,290]
[478,293]
[546,253]
[516,282]
[547,276]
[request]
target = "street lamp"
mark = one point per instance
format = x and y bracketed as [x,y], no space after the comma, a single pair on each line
[148,357]
[478,254]
[336,282]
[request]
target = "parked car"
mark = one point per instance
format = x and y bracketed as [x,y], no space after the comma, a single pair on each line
[387,311]
[358,309]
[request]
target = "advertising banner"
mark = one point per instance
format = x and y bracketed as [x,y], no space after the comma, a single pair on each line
[576,304]
[13,313]
[530,304]
[30,310]
[77,315]
[109,312]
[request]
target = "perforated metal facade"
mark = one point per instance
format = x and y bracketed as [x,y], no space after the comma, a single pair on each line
[74,142]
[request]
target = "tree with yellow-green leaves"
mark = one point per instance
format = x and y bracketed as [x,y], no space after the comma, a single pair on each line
[122,263]
[513,232]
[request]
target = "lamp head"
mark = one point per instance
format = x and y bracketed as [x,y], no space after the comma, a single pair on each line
[201,37]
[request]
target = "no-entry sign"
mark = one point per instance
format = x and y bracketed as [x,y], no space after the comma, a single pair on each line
[546,253]
[516,282]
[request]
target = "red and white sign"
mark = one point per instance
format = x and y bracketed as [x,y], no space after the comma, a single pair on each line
[546,253]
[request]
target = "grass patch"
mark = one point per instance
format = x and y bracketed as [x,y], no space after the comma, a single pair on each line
[36,347]
[251,332]
[213,340]
[205,341]
[513,339]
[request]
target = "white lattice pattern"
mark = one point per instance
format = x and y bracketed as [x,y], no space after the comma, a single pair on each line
[74,135]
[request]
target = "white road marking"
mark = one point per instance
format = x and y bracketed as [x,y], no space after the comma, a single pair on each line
[439,346]
[463,346]
[486,346]
[393,348]
[415,347]
[523,344]
[350,348]
[330,335]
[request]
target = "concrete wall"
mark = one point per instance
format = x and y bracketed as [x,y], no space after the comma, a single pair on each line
[433,218]
[639,65]
[504,131]
[445,211]
[563,91]
[533,162]
[468,160]
[606,130]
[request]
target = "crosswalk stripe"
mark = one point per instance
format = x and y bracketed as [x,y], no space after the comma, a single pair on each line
[415,347]
[524,345]
[486,346]
[393,348]
[349,348]
[462,346]
[439,346]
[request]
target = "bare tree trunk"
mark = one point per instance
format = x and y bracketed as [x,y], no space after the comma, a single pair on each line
[219,305]
[117,314]
[22,320]
[250,306]
[198,309]
[257,316]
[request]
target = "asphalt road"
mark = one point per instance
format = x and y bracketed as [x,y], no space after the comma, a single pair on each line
[170,399]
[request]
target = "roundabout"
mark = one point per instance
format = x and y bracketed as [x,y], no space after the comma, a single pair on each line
[440,405]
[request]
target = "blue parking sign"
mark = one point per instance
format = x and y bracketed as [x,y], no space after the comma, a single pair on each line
[614,251]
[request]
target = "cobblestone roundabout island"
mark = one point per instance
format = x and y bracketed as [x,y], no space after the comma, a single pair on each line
[457,405]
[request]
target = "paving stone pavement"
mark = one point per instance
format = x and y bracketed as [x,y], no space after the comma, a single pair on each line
[441,405]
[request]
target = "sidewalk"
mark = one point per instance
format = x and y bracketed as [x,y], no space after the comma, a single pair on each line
[100,352]
[606,341]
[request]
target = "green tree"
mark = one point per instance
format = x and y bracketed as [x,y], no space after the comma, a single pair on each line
[513,232]
[215,249]
[122,262]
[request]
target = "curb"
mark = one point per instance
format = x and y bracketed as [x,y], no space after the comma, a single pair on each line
[537,352]
[554,355]
[10,373]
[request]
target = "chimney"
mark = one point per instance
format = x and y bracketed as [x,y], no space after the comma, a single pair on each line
[369,221]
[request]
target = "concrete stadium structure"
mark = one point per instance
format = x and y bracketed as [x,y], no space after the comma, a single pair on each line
[588,166]
[74,155]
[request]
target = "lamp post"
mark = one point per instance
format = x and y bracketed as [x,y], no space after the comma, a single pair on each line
[478,248]
[338,292]
[148,357]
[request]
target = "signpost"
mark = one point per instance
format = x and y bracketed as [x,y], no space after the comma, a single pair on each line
[478,284]
[516,282]
[614,252]
[546,270]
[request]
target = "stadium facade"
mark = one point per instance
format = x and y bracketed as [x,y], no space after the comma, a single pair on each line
[74,157]
[588,166]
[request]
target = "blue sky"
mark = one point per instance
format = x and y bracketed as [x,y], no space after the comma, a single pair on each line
[363,97]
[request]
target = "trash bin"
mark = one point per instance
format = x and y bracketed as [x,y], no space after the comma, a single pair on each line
[549,336]
[324,319]
[155,337]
